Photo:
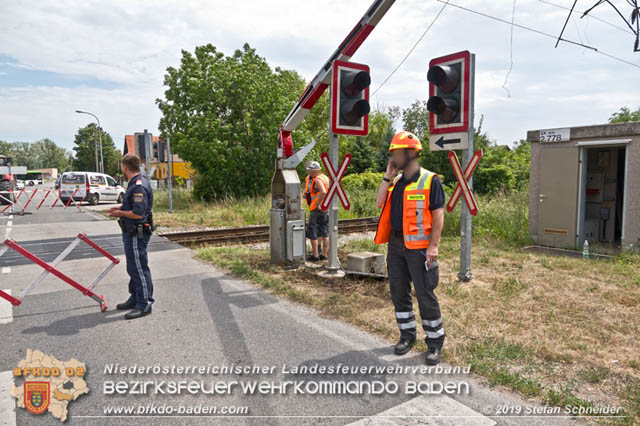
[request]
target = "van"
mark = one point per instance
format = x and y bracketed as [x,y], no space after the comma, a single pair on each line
[91,187]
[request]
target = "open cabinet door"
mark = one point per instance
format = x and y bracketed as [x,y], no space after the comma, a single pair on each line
[558,198]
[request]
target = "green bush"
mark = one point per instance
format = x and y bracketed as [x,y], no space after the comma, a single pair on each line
[362,189]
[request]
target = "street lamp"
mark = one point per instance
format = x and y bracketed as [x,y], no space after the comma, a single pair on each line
[101,170]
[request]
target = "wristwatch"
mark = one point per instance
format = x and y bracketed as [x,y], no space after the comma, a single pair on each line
[385,179]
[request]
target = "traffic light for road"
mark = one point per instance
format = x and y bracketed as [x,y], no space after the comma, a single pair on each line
[449,93]
[141,149]
[350,98]
[161,148]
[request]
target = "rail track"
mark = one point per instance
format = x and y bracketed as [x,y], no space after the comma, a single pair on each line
[255,234]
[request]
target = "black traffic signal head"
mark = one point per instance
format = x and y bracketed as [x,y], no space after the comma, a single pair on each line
[161,155]
[445,103]
[350,98]
[353,105]
[141,146]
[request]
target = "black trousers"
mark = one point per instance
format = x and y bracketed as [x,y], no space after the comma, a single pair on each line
[407,265]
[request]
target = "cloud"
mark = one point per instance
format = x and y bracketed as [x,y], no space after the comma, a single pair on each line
[110,58]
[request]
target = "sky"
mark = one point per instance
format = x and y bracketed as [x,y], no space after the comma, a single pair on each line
[109,57]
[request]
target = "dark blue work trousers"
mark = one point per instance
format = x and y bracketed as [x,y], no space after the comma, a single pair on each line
[140,284]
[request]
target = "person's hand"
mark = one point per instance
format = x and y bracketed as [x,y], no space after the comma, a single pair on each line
[392,170]
[431,254]
[114,212]
[114,208]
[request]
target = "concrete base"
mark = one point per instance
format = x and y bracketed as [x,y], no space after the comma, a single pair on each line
[338,273]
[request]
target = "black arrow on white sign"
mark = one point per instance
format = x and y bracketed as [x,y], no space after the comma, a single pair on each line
[442,141]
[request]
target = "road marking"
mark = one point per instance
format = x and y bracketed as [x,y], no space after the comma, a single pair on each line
[7,231]
[440,409]
[6,269]
[428,409]
[7,401]
[6,310]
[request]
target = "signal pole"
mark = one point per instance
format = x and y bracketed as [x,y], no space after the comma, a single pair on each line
[465,273]
[332,263]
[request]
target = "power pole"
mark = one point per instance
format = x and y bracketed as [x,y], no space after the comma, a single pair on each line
[95,147]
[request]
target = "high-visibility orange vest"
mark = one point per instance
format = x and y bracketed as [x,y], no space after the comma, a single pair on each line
[416,216]
[310,187]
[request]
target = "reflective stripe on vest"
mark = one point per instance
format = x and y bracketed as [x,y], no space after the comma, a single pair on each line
[420,236]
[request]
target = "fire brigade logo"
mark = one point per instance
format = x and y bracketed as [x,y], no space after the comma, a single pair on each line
[44,384]
[36,399]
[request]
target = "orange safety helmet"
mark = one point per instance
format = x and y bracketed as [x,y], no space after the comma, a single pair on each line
[405,140]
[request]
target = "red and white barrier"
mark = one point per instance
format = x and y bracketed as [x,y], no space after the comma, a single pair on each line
[38,197]
[51,268]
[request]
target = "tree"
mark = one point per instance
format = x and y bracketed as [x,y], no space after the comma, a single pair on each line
[224,112]
[84,149]
[625,115]
[42,154]
[50,155]
[370,152]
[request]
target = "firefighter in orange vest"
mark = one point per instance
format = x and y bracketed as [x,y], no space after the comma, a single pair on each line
[411,222]
[316,185]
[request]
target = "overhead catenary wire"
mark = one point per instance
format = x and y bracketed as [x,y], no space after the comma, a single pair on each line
[566,22]
[412,48]
[542,33]
[506,78]
[588,16]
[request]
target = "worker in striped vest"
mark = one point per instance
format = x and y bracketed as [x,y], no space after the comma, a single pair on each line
[411,222]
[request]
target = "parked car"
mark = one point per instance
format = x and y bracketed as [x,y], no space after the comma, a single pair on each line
[91,187]
[19,184]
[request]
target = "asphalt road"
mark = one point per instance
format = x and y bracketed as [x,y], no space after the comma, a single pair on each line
[204,317]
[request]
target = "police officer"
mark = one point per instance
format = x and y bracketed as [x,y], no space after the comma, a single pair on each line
[411,222]
[136,221]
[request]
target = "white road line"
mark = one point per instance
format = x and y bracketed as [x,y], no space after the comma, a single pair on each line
[7,401]
[6,269]
[428,410]
[441,409]
[7,231]
[6,310]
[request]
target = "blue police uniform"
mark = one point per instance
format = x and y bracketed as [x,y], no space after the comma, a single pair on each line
[139,200]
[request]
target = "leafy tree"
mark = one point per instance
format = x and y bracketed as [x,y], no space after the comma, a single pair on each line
[625,115]
[50,155]
[85,155]
[223,112]
[370,152]
[36,155]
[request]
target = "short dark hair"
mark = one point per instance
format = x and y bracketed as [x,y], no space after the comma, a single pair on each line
[132,162]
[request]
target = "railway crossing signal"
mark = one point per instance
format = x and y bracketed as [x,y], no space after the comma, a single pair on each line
[463,186]
[450,90]
[350,98]
[335,186]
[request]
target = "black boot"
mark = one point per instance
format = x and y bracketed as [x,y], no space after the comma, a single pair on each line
[136,313]
[126,305]
[434,356]
[403,346]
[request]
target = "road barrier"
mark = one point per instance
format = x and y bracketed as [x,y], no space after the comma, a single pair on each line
[51,268]
[36,200]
